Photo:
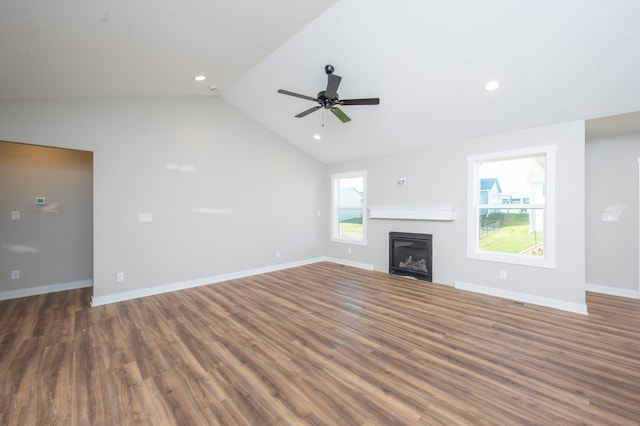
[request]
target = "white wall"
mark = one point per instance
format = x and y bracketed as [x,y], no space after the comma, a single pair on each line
[438,176]
[612,187]
[225,193]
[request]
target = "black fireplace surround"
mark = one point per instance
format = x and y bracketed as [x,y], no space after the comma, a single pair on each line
[410,255]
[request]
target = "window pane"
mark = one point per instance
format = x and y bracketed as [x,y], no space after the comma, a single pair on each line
[350,210]
[502,226]
[350,223]
[512,231]
[348,207]
[352,182]
[513,181]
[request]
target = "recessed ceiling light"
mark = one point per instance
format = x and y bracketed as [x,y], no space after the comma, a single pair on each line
[200,78]
[491,86]
[316,137]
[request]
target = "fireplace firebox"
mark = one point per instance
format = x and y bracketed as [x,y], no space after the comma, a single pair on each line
[411,255]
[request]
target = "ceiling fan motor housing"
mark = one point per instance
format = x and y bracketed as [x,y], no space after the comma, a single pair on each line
[326,102]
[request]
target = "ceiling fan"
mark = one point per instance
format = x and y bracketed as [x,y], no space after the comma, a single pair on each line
[329,99]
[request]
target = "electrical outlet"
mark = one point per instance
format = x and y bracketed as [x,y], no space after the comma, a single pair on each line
[15,275]
[277,253]
[349,250]
[15,215]
[120,277]
[503,274]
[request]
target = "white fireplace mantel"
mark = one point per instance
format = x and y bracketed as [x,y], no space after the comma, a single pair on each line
[447,213]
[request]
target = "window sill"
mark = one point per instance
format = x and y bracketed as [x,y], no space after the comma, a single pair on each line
[514,259]
[348,241]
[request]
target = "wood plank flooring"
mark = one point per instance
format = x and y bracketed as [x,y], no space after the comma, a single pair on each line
[318,344]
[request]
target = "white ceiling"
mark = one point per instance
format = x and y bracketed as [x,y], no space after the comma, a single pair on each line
[557,60]
[72,48]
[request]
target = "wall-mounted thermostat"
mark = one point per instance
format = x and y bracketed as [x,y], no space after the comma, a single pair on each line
[40,201]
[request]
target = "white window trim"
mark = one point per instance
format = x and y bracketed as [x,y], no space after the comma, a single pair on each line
[548,260]
[335,220]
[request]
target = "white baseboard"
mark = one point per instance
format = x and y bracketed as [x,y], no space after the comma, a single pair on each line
[344,262]
[613,291]
[52,288]
[150,291]
[578,308]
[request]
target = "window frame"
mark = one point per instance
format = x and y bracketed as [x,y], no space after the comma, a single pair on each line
[548,259]
[335,207]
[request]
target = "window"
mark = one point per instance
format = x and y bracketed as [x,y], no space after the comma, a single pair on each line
[349,201]
[511,214]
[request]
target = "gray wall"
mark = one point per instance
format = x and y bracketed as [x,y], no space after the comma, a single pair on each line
[612,186]
[50,244]
[225,193]
[438,176]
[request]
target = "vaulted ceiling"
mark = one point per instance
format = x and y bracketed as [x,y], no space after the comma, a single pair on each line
[427,60]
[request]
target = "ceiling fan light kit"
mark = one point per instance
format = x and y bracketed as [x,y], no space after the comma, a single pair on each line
[329,98]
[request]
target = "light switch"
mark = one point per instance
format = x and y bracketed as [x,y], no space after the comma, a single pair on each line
[15,215]
[145,217]
[610,217]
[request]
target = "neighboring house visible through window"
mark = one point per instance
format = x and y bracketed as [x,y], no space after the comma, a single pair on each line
[348,219]
[490,192]
[511,207]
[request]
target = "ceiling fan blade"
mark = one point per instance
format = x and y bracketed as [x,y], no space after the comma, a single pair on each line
[332,86]
[365,101]
[341,115]
[309,111]
[297,95]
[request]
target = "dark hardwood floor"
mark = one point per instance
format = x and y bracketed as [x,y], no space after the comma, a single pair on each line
[318,344]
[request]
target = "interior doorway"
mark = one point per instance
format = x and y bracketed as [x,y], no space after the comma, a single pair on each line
[46,219]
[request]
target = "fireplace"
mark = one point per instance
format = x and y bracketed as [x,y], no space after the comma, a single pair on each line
[410,255]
